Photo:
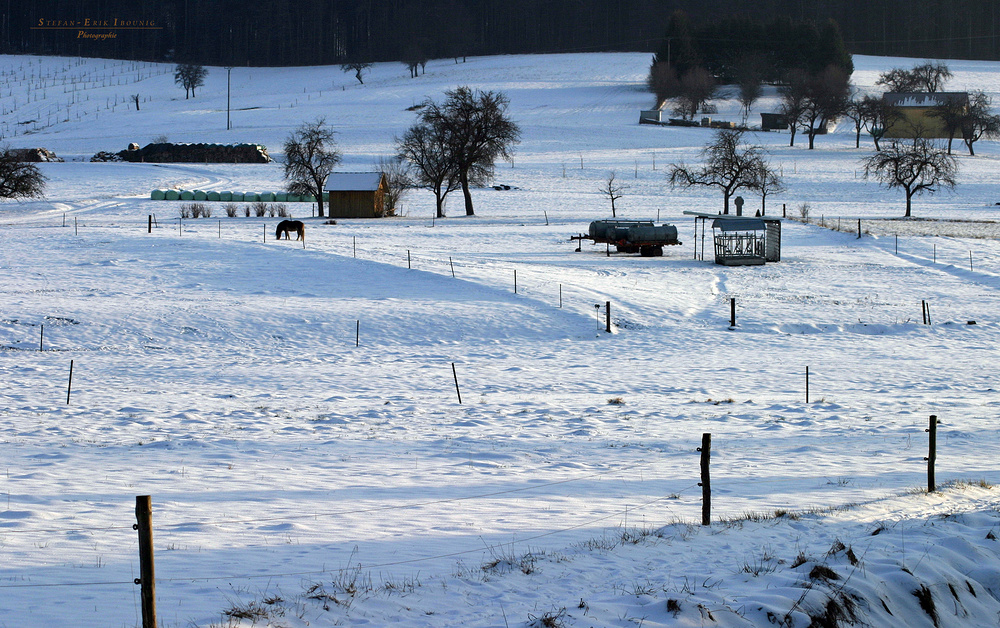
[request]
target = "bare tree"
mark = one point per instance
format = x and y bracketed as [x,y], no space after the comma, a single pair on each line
[952,113]
[826,99]
[398,180]
[898,80]
[478,131]
[413,56]
[663,82]
[979,122]
[189,76]
[855,111]
[135,99]
[931,76]
[613,189]
[729,166]
[426,146]
[928,77]
[19,179]
[793,100]
[310,156]
[358,67]
[696,90]
[878,116]
[767,181]
[915,168]
[748,79]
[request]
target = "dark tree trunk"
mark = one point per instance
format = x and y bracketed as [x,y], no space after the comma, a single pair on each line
[464,177]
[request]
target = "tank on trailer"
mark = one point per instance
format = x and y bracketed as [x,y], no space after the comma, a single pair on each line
[631,236]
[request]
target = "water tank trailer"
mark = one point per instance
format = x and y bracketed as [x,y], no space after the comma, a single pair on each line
[631,236]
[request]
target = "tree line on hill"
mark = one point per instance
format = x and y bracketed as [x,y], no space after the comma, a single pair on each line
[310,32]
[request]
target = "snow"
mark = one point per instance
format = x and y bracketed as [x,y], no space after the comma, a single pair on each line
[292,409]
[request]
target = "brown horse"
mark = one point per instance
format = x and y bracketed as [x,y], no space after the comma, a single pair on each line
[286,226]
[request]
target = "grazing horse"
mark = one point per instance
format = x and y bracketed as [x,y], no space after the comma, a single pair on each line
[285,226]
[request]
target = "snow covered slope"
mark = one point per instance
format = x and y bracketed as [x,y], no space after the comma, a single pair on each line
[293,409]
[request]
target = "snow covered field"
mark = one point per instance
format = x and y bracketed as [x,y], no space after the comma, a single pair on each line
[293,411]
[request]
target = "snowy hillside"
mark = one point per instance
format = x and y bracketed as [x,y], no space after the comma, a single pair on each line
[293,411]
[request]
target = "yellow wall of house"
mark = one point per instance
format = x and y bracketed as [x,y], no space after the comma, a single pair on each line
[917,122]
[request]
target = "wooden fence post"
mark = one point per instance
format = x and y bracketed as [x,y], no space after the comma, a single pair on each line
[452,264]
[931,452]
[147,577]
[807,384]
[706,483]
[41,339]
[457,390]
[732,312]
[149,224]
[69,386]
[607,316]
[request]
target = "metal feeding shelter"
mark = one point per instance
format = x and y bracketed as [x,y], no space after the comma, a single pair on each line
[739,240]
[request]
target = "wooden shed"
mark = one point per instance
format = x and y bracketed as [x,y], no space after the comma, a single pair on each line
[355,194]
[916,109]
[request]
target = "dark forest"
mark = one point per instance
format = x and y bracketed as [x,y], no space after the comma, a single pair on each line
[313,32]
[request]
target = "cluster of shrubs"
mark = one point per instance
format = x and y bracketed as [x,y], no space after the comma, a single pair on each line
[259,209]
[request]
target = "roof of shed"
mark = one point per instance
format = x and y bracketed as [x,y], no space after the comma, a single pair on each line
[352,182]
[738,224]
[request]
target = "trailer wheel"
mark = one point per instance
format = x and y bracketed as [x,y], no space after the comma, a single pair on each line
[651,251]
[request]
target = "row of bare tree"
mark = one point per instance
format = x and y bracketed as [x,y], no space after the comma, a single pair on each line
[453,145]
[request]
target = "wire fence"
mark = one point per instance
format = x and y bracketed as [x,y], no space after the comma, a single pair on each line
[117,543]
[678,502]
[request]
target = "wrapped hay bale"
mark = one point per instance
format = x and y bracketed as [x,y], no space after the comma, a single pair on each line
[158,195]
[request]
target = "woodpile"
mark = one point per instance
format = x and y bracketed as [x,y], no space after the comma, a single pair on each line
[198,153]
[34,155]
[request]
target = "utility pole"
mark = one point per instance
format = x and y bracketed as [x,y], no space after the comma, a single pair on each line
[229,71]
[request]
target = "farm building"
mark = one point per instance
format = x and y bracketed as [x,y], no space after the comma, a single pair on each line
[739,240]
[355,194]
[917,119]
